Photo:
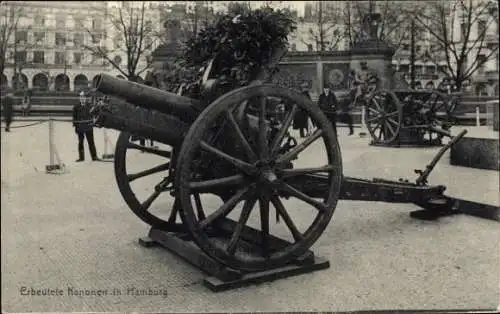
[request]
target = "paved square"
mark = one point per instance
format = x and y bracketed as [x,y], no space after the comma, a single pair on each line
[73,231]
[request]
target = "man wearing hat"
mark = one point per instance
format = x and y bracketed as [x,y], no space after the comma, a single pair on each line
[82,121]
[8,110]
[328,103]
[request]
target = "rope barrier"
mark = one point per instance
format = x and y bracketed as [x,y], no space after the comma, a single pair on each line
[24,126]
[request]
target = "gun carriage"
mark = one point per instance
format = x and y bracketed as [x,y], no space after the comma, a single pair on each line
[409,117]
[229,142]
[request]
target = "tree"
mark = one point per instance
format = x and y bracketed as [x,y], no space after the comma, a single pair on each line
[10,14]
[394,22]
[441,20]
[132,36]
[324,30]
[182,20]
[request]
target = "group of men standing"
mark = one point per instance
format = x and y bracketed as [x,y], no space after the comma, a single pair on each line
[329,104]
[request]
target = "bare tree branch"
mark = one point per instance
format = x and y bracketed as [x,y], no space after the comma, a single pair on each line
[466,55]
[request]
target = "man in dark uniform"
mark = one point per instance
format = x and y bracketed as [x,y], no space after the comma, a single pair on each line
[327,102]
[82,121]
[8,110]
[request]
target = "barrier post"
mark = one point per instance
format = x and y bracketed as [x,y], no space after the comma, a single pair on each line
[478,121]
[363,122]
[53,166]
[107,155]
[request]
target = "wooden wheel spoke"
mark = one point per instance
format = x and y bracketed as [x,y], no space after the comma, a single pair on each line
[154,151]
[289,173]
[173,214]
[225,209]
[388,125]
[373,119]
[392,121]
[373,110]
[298,194]
[299,148]
[246,146]
[208,185]
[278,205]
[264,224]
[245,213]
[263,143]
[159,168]
[199,206]
[240,164]
[392,114]
[376,104]
[281,133]
[147,203]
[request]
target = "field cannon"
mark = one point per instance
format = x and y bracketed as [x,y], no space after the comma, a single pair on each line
[228,151]
[409,117]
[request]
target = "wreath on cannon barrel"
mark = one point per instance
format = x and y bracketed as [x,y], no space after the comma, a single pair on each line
[243,42]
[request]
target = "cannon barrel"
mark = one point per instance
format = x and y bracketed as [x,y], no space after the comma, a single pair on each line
[147,97]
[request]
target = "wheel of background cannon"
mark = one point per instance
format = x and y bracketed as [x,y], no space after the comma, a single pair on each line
[143,209]
[383,116]
[440,115]
[441,105]
[259,171]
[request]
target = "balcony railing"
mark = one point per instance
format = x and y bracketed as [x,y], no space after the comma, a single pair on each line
[486,76]
[491,38]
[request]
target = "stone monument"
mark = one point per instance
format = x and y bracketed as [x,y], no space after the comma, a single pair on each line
[376,53]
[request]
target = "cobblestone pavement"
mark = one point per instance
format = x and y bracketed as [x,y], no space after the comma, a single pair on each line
[73,231]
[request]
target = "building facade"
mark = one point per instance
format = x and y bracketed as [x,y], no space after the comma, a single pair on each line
[45,52]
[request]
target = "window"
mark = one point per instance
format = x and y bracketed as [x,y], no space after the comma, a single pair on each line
[77,57]
[39,37]
[430,69]
[96,24]
[418,48]
[60,57]
[406,47]
[60,22]
[117,60]
[39,57]
[95,59]
[78,39]
[418,69]
[21,37]
[148,43]
[20,57]
[79,22]
[39,21]
[464,27]
[481,28]
[148,26]
[405,68]
[442,69]
[60,39]
[96,38]
[309,47]
[117,41]
[481,64]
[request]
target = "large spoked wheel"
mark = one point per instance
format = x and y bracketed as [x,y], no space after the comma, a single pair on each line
[383,117]
[235,151]
[439,109]
[152,182]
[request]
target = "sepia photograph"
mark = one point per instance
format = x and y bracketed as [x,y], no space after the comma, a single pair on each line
[250,156]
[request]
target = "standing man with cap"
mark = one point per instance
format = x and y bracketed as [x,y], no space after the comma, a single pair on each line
[328,103]
[8,110]
[82,121]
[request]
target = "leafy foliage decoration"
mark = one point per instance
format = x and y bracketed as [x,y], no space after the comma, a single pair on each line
[243,41]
